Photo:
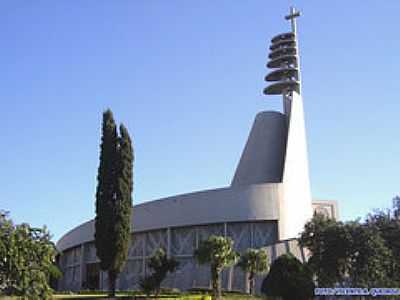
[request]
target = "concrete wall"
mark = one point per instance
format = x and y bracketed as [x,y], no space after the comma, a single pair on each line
[263,156]
[295,206]
[276,151]
[179,242]
[236,204]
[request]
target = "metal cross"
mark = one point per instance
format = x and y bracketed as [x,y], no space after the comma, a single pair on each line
[293,14]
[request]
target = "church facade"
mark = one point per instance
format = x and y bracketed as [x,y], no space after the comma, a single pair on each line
[266,205]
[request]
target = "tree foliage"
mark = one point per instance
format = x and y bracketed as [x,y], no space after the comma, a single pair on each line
[387,223]
[396,208]
[253,262]
[160,265]
[105,194]
[27,260]
[370,259]
[289,279]
[217,251]
[329,244]
[361,254]
[113,198]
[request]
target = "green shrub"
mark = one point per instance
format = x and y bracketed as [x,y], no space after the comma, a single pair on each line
[148,284]
[288,278]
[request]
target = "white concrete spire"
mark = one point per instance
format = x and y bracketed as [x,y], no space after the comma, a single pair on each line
[295,203]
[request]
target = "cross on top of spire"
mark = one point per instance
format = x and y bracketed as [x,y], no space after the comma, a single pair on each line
[293,14]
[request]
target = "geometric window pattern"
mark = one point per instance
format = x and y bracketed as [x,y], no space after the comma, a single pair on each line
[205,231]
[155,239]
[182,243]
[239,232]
[137,245]
[263,234]
[70,266]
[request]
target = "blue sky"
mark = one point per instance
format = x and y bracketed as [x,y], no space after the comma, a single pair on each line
[186,78]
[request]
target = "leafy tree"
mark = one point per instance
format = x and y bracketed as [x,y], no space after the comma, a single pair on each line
[113,199]
[160,265]
[387,223]
[253,262]
[328,264]
[217,251]
[396,207]
[370,259]
[289,279]
[27,260]
[349,254]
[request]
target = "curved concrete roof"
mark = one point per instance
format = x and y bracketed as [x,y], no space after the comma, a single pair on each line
[234,204]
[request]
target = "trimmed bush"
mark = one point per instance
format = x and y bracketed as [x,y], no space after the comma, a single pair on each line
[288,278]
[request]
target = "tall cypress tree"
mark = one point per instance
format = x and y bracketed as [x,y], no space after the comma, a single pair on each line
[105,191]
[123,205]
[113,199]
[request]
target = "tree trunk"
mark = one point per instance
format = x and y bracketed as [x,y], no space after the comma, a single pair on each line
[251,283]
[216,284]
[157,291]
[112,277]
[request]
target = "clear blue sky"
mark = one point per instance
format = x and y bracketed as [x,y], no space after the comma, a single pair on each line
[186,78]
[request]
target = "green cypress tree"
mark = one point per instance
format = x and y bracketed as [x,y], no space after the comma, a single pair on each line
[123,205]
[105,191]
[113,199]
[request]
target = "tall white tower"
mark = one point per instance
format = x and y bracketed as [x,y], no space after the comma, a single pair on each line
[276,150]
[295,207]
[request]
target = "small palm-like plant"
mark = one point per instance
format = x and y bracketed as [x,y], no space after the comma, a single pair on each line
[253,262]
[217,251]
[161,265]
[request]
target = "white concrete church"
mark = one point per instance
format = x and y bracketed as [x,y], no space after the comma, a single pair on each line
[266,205]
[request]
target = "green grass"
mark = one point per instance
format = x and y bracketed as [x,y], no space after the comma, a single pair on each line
[163,297]
[123,295]
[88,296]
[241,297]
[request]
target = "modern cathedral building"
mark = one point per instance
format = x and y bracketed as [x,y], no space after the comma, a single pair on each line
[266,205]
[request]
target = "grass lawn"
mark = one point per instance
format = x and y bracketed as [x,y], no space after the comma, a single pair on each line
[123,295]
[162,297]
